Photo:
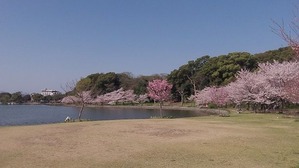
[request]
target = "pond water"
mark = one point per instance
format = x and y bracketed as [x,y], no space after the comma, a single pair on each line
[45,114]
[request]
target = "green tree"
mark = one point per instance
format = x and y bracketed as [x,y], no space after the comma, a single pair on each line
[127,81]
[47,99]
[37,97]
[221,70]
[93,82]
[187,78]
[57,97]
[26,98]
[181,85]
[16,97]
[5,97]
[193,69]
[280,55]
[105,83]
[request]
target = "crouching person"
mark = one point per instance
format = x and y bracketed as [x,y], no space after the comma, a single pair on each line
[67,119]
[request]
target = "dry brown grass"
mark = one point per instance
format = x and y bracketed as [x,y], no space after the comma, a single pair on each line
[245,140]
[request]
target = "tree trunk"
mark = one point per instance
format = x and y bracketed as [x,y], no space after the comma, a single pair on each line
[282,106]
[81,111]
[182,99]
[161,115]
[193,83]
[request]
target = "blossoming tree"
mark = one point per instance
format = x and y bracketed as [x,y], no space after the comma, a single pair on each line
[216,95]
[117,96]
[271,85]
[292,90]
[159,90]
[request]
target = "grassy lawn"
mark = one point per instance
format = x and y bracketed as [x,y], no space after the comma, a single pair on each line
[242,140]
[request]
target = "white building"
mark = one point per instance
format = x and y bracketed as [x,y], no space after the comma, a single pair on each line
[49,92]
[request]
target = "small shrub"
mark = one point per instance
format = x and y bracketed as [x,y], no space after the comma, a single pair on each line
[169,117]
[212,106]
[224,115]
[159,117]
[155,117]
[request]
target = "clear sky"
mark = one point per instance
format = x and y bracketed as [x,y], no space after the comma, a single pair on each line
[47,43]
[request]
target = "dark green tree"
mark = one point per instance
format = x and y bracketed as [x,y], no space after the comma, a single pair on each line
[26,98]
[57,97]
[37,97]
[127,80]
[182,86]
[5,97]
[106,83]
[222,69]
[187,78]
[16,97]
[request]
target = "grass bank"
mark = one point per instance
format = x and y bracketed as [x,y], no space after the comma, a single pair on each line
[242,140]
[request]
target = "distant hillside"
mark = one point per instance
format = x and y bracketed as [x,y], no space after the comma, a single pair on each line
[281,54]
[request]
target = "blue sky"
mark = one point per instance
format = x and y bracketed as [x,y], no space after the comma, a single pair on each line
[47,43]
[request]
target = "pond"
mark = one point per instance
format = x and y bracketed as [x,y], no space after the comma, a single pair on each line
[45,114]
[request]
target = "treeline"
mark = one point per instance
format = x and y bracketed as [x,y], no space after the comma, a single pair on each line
[19,98]
[219,71]
[195,75]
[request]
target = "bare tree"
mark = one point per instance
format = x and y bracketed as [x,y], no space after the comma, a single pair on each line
[79,94]
[192,81]
[290,34]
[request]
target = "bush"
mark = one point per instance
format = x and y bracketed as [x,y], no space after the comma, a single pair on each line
[159,117]
[224,115]
[212,106]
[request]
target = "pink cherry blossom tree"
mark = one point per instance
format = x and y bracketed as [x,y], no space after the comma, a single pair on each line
[271,84]
[250,88]
[114,97]
[243,87]
[291,36]
[117,96]
[277,76]
[202,97]
[70,100]
[215,95]
[130,96]
[100,100]
[219,96]
[292,90]
[125,96]
[159,90]
[142,98]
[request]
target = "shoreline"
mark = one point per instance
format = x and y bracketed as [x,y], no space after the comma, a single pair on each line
[156,107]
[198,112]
